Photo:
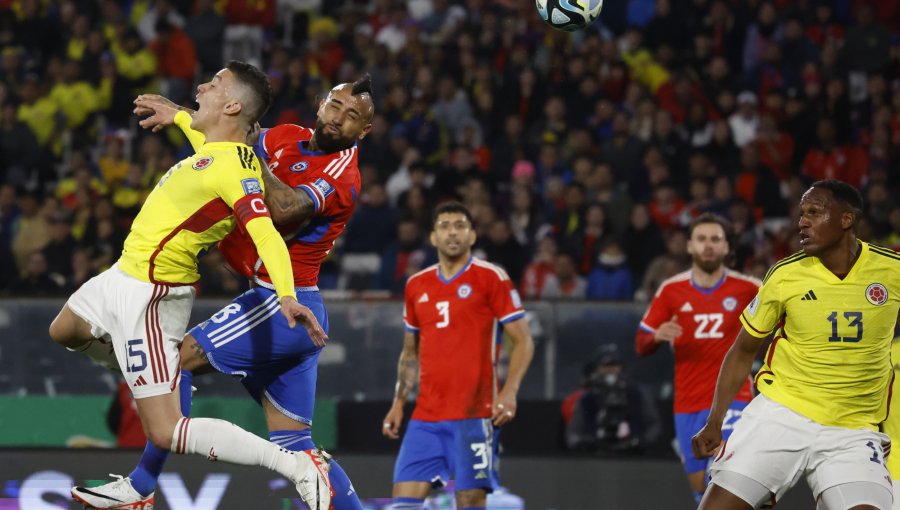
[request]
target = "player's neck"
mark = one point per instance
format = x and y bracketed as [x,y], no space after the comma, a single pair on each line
[449,267]
[706,280]
[840,259]
[225,133]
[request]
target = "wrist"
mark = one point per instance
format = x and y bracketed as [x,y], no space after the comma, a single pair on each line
[288,296]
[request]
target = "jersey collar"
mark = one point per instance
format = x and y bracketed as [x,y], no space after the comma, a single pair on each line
[306,152]
[458,273]
[712,289]
[831,277]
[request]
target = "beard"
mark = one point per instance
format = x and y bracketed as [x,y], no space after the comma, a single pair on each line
[708,266]
[327,143]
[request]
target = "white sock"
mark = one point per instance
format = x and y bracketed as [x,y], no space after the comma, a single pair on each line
[222,440]
[101,352]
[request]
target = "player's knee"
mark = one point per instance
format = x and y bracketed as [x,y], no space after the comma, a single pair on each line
[470,498]
[62,332]
[160,439]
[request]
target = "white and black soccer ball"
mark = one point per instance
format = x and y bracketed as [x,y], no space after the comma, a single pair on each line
[569,15]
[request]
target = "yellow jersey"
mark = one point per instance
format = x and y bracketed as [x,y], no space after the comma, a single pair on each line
[892,424]
[830,358]
[191,208]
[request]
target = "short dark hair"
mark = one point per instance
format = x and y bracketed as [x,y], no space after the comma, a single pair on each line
[256,80]
[362,86]
[450,207]
[709,217]
[845,194]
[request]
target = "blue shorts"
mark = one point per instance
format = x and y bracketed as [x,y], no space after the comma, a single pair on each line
[688,424]
[250,338]
[466,450]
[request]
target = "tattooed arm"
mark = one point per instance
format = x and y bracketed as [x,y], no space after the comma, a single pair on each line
[407,378]
[286,204]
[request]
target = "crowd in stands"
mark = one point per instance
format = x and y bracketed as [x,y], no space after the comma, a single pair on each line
[582,156]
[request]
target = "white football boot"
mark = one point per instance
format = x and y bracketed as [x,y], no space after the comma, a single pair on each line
[311,478]
[116,495]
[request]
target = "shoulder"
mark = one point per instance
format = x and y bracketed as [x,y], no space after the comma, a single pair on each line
[492,271]
[884,255]
[343,165]
[237,155]
[292,132]
[784,266]
[743,279]
[674,282]
[419,277]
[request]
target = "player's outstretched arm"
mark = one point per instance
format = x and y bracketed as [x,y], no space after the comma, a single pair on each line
[733,374]
[519,360]
[163,113]
[407,377]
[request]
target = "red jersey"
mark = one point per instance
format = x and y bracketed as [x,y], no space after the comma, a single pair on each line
[332,181]
[709,319]
[459,324]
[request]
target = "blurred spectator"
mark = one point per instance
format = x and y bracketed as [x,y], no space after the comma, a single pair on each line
[867,45]
[36,280]
[501,248]
[58,251]
[176,61]
[610,279]
[540,270]
[32,231]
[403,258]
[758,186]
[564,282]
[206,28]
[745,121]
[643,241]
[19,152]
[113,165]
[585,243]
[10,212]
[372,227]
[664,265]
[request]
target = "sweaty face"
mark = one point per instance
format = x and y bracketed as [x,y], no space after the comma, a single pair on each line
[453,235]
[708,246]
[212,98]
[342,119]
[823,221]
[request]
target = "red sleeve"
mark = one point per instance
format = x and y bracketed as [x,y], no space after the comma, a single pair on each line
[273,138]
[656,315]
[410,322]
[644,344]
[505,302]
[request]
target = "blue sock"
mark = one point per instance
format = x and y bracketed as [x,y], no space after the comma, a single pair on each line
[407,504]
[345,497]
[144,476]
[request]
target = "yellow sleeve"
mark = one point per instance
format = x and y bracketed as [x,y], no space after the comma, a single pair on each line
[764,313]
[274,254]
[237,182]
[183,121]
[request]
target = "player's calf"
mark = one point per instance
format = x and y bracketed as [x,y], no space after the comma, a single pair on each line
[471,499]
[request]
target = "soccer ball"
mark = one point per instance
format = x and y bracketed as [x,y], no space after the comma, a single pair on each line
[569,15]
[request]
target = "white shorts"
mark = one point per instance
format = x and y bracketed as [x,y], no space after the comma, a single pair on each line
[776,446]
[145,323]
[896,493]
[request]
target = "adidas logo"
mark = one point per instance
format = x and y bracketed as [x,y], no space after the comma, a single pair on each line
[424,298]
[481,475]
[686,307]
[140,381]
[810,296]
